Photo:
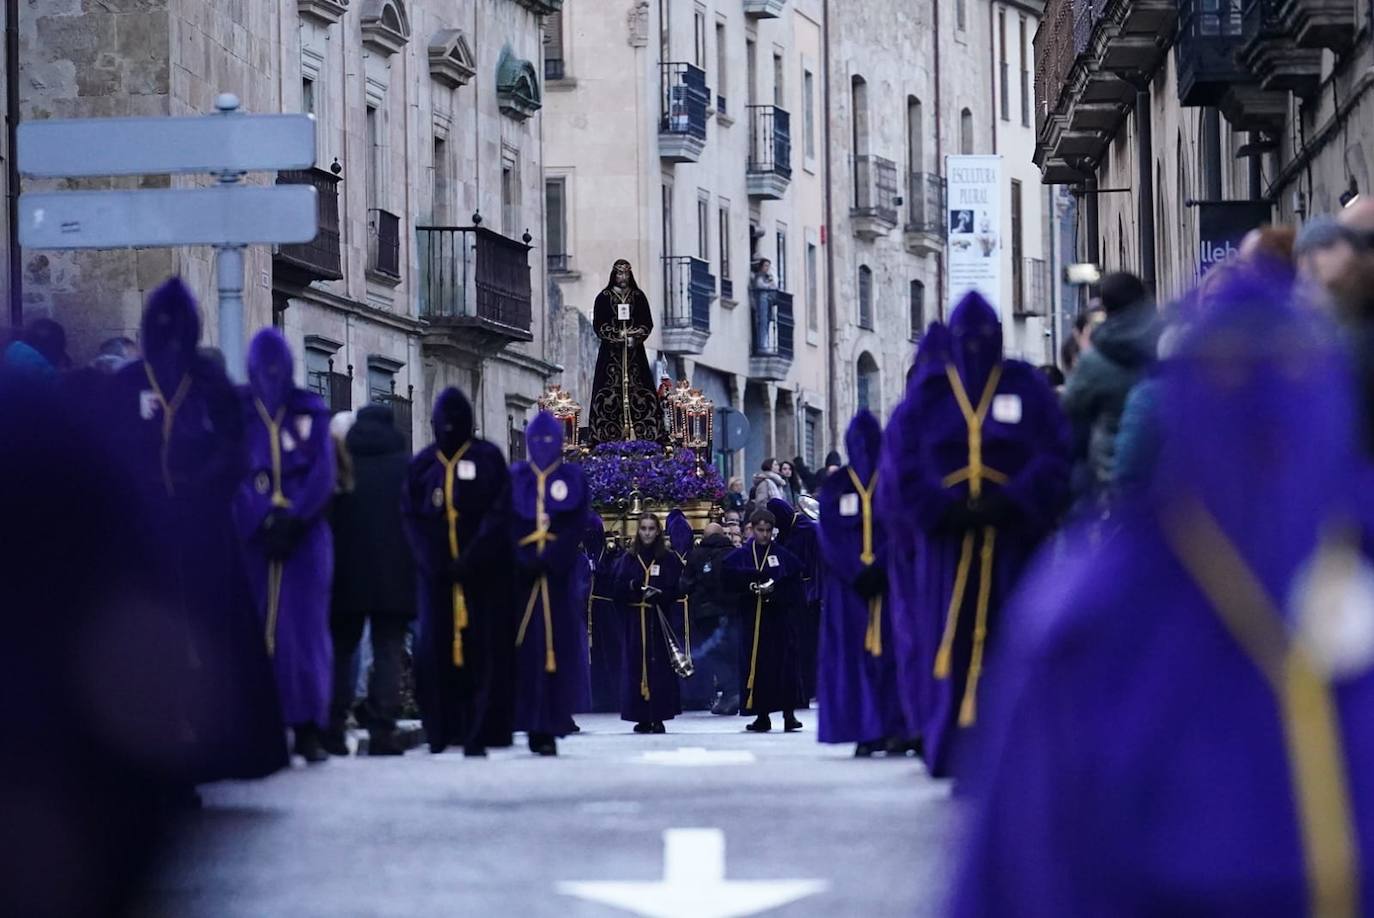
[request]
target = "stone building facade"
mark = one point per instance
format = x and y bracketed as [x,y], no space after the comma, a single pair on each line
[429,157]
[687,137]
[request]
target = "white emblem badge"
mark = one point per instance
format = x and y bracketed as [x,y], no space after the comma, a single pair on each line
[1334,601]
[467,470]
[288,442]
[653,570]
[559,490]
[438,497]
[1006,409]
[849,505]
[262,483]
[147,404]
[772,560]
[304,424]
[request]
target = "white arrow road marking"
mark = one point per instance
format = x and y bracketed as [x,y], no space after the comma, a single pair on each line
[697,756]
[694,884]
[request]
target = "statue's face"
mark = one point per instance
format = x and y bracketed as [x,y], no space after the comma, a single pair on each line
[622,274]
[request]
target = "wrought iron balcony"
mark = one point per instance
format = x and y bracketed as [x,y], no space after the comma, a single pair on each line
[688,289]
[876,197]
[722,110]
[770,152]
[384,244]
[335,388]
[542,7]
[773,331]
[1033,288]
[1209,35]
[555,68]
[319,258]
[1271,51]
[474,287]
[682,112]
[727,289]
[925,213]
[402,409]
[764,9]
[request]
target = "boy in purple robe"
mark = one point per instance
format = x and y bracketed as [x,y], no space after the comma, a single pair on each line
[983,475]
[648,587]
[797,533]
[1183,717]
[857,691]
[766,578]
[605,630]
[287,543]
[549,503]
[455,510]
[177,428]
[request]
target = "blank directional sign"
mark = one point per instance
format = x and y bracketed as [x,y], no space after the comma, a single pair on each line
[158,146]
[232,215]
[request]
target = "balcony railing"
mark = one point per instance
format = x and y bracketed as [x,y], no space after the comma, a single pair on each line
[682,111]
[689,288]
[555,68]
[560,264]
[925,203]
[774,325]
[476,278]
[876,196]
[402,408]
[721,108]
[1035,288]
[384,243]
[727,289]
[1209,35]
[319,258]
[1270,50]
[770,140]
[335,388]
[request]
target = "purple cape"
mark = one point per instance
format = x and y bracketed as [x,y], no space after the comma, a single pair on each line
[1137,758]
[551,655]
[185,474]
[472,704]
[925,476]
[605,625]
[291,468]
[770,650]
[647,669]
[857,687]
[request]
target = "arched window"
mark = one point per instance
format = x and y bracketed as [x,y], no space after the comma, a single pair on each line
[867,388]
[859,104]
[865,297]
[966,131]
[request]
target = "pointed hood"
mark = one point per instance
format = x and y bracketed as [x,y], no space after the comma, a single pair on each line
[1259,422]
[680,533]
[170,332]
[269,369]
[544,440]
[451,421]
[594,534]
[975,342]
[864,441]
[784,514]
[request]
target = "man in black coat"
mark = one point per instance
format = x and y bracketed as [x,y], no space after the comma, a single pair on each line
[716,649]
[374,580]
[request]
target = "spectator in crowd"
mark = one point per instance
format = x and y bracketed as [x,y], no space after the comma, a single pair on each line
[1326,253]
[792,486]
[762,285]
[734,495]
[768,484]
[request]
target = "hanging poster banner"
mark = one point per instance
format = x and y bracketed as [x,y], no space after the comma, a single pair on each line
[973,248]
[1221,225]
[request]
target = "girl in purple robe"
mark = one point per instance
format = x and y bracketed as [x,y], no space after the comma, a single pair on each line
[983,475]
[857,692]
[549,502]
[177,427]
[1182,721]
[455,511]
[766,578]
[288,546]
[605,628]
[647,586]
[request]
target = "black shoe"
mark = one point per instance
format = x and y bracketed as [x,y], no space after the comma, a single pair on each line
[762,724]
[574,728]
[657,727]
[644,727]
[308,744]
[866,750]
[384,742]
[543,744]
[475,751]
[726,706]
[335,741]
[791,724]
[901,748]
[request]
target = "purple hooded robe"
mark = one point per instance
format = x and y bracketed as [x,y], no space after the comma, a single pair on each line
[797,533]
[857,688]
[605,630]
[177,427]
[549,505]
[650,689]
[770,664]
[1182,718]
[983,474]
[289,484]
[454,506]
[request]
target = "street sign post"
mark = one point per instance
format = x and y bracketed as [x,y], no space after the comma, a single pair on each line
[228,216]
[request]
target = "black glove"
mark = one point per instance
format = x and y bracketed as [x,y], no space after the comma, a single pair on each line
[280,533]
[872,581]
[995,508]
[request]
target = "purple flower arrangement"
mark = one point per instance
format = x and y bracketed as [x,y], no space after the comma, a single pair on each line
[615,470]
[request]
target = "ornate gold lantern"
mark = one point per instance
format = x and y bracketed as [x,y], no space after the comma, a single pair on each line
[698,413]
[677,418]
[559,402]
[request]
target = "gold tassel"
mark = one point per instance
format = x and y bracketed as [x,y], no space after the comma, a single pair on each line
[550,663]
[754,653]
[968,711]
[274,574]
[460,622]
[956,601]
[873,641]
[643,653]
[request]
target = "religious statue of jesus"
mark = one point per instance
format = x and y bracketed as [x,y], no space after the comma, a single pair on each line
[624,403]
